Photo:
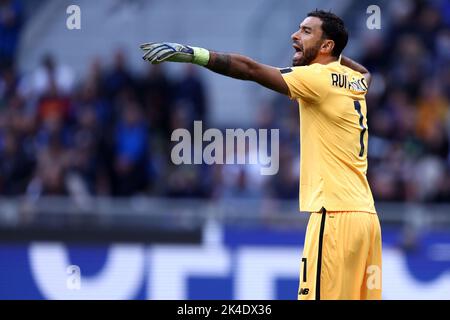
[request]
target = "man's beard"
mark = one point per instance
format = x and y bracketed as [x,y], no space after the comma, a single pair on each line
[308,55]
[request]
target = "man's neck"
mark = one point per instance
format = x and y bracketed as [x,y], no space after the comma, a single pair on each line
[324,59]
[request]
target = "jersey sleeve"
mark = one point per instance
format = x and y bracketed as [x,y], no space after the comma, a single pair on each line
[307,82]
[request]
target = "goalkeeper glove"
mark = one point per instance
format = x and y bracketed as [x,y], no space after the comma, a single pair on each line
[157,52]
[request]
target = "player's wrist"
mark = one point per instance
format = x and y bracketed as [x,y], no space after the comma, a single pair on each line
[201,56]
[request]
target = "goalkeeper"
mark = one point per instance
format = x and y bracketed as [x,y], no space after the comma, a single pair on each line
[342,251]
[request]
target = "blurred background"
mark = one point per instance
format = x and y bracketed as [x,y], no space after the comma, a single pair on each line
[91,205]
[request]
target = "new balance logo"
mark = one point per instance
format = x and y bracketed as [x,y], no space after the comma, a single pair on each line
[303,291]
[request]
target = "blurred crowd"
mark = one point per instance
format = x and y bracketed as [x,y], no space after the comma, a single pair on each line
[109,133]
[409,103]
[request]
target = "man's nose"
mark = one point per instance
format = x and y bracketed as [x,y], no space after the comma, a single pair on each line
[295,36]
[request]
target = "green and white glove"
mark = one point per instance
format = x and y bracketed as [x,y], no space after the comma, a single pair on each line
[157,52]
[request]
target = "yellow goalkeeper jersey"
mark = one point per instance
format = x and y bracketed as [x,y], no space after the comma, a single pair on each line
[333,137]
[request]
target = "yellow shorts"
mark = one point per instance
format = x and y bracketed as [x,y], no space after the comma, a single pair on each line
[341,257]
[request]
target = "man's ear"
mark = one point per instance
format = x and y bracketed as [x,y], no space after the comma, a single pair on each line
[327,47]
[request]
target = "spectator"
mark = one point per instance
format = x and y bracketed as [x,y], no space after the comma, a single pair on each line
[11,16]
[130,153]
[49,76]
[191,92]
[119,77]
[52,163]
[155,90]
[15,165]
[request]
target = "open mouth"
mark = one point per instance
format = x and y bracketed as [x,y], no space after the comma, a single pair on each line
[298,51]
[297,48]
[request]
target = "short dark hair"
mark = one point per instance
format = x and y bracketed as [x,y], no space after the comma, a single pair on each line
[333,28]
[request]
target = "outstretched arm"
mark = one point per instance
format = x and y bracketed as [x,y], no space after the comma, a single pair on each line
[241,67]
[228,64]
[345,61]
